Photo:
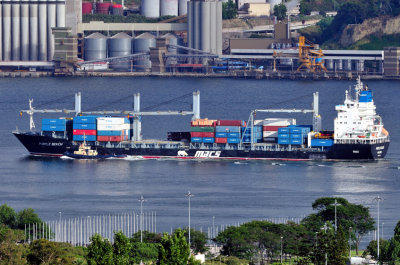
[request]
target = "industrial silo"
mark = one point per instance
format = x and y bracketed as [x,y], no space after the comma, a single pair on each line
[1,32]
[169,7]
[190,36]
[219,27]
[95,47]
[183,7]
[33,31]
[120,45]
[24,30]
[60,13]
[173,40]
[142,43]
[205,41]
[15,29]
[42,15]
[150,8]
[6,21]
[197,25]
[213,27]
[51,23]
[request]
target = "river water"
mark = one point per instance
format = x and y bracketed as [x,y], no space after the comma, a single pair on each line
[230,191]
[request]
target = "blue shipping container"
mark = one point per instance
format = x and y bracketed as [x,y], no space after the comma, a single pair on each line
[296,141]
[227,129]
[233,140]
[233,135]
[110,133]
[321,142]
[283,130]
[208,140]
[366,96]
[221,134]
[257,128]
[283,136]
[248,140]
[298,136]
[85,119]
[84,126]
[54,121]
[197,139]
[283,141]
[303,130]
[89,138]
[53,128]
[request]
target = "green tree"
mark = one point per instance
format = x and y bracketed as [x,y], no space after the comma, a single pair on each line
[146,252]
[10,251]
[7,216]
[147,237]
[229,10]
[280,11]
[306,6]
[174,249]
[198,240]
[121,249]
[100,251]
[44,252]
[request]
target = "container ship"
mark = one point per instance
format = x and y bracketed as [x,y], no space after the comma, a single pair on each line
[358,133]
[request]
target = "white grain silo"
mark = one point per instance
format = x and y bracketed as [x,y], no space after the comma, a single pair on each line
[15,29]
[120,45]
[205,42]
[33,31]
[150,8]
[1,32]
[24,30]
[218,26]
[213,31]
[169,7]
[190,8]
[197,25]
[95,47]
[42,15]
[142,43]
[51,23]
[6,21]
[60,14]
[183,7]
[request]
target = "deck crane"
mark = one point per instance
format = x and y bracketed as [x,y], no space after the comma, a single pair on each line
[310,56]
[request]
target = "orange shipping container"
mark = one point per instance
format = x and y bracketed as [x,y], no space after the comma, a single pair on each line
[204,122]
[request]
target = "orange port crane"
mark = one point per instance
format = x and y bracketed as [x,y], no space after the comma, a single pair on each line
[310,56]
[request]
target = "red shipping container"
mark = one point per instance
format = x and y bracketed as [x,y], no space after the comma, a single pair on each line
[272,128]
[102,138]
[84,132]
[116,139]
[221,140]
[231,123]
[196,134]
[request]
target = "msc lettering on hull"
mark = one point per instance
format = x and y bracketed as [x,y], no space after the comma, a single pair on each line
[208,154]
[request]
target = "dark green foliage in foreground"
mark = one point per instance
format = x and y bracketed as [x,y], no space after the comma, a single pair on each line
[174,249]
[229,10]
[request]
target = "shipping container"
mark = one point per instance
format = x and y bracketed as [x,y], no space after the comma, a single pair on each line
[84,126]
[54,122]
[202,129]
[283,141]
[233,135]
[270,139]
[196,139]
[103,138]
[89,138]
[209,140]
[85,119]
[227,129]
[111,120]
[233,140]
[270,134]
[297,136]
[231,123]
[321,142]
[202,134]
[84,132]
[283,130]
[113,133]
[303,130]
[283,136]
[297,141]
[53,128]
[221,140]
[255,140]
[111,127]
[221,134]
[255,128]
[203,122]
[116,138]
[272,128]
[258,122]
[279,122]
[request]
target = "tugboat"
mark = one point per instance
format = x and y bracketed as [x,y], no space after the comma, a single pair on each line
[85,152]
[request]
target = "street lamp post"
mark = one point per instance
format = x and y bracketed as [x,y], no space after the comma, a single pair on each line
[378,199]
[141,200]
[336,204]
[281,247]
[189,195]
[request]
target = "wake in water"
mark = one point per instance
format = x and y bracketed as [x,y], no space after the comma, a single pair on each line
[239,163]
[278,164]
[65,157]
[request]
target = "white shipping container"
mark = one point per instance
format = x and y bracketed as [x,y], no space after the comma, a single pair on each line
[270,134]
[110,120]
[258,122]
[279,122]
[110,127]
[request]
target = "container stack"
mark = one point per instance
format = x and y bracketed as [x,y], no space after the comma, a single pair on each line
[113,129]
[228,131]
[298,134]
[271,126]
[202,131]
[56,126]
[257,134]
[84,128]
[321,142]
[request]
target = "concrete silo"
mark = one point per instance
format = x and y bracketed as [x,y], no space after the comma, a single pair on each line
[6,21]
[60,14]
[42,19]
[197,25]
[183,7]
[205,41]
[95,47]
[51,23]
[213,30]
[169,7]
[174,40]
[142,43]
[218,26]
[150,8]
[15,29]
[33,31]
[1,32]
[24,30]
[190,37]
[120,45]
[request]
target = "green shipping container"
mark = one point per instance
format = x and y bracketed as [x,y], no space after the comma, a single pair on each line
[202,129]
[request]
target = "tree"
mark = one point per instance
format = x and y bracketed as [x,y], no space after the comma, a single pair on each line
[146,252]
[229,10]
[174,249]
[10,251]
[198,240]
[280,11]
[147,237]
[100,251]
[44,252]
[306,6]
[121,249]
[7,216]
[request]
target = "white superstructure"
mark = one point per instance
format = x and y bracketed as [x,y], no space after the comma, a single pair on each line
[357,121]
